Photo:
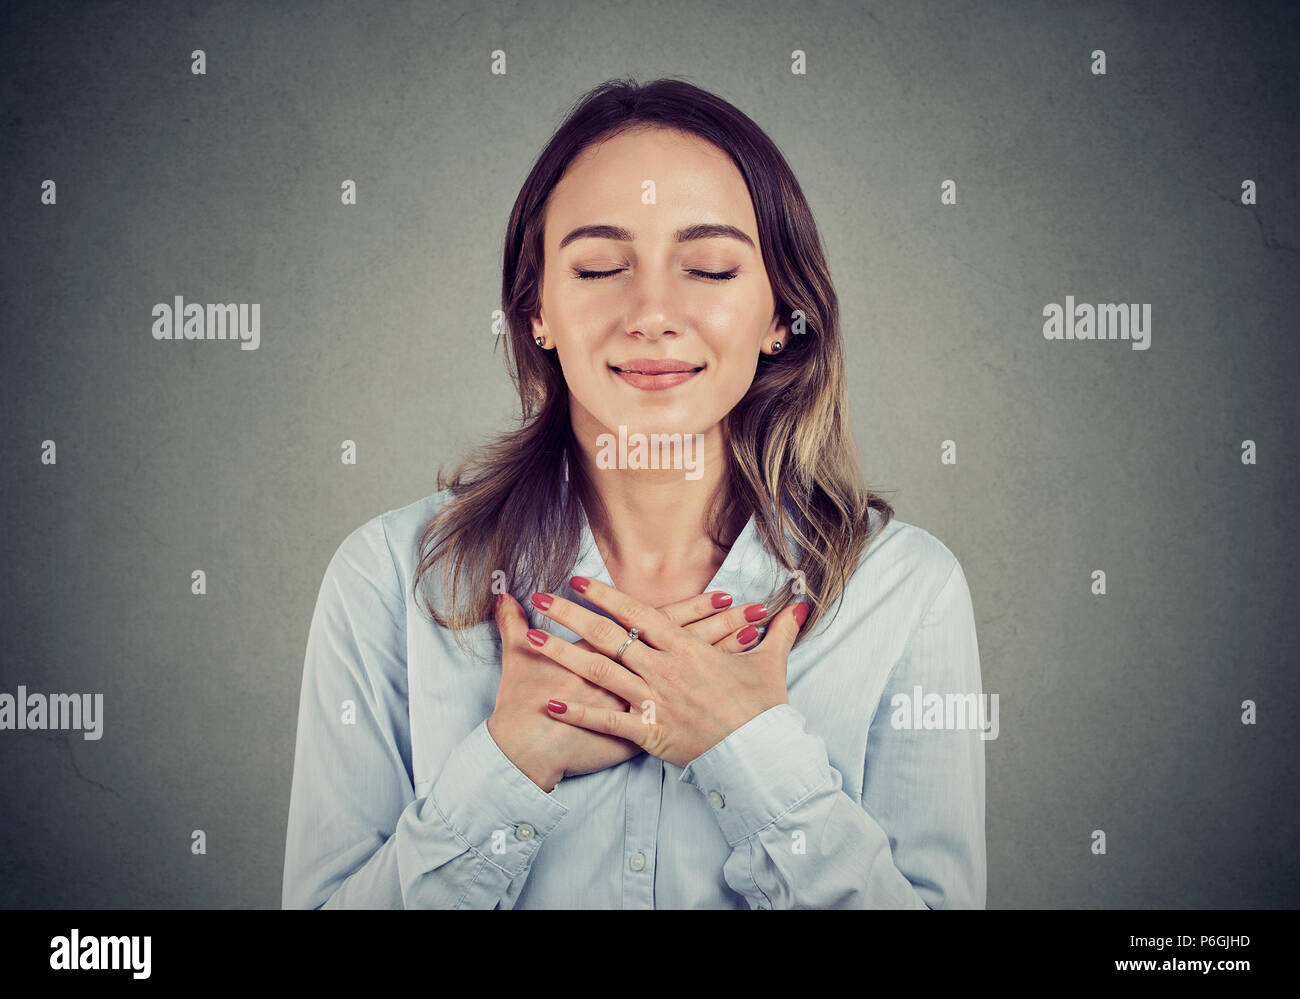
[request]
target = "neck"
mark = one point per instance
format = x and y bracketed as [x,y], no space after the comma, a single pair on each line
[651,522]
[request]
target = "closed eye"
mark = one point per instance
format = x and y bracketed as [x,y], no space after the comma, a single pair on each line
[712,275]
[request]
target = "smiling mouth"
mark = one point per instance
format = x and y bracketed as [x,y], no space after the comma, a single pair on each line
[634,371]
[658,379]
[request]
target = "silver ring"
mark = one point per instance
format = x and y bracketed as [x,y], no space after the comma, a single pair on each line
[631,637]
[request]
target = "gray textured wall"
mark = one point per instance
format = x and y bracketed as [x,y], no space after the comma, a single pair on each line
[1118,712]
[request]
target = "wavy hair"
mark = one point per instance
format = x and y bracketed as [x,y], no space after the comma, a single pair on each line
[791,462]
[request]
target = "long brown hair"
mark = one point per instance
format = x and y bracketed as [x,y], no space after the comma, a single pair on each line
[791,460]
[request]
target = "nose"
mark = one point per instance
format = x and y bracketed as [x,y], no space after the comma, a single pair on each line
[651,313]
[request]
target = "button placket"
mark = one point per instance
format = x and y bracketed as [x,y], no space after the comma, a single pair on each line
[644,799]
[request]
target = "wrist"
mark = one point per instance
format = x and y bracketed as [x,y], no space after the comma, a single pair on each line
[541,776]
[535,770]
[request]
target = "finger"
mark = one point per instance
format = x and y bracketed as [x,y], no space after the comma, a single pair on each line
[739,641]
[784,629]
[510,618]
[727,624]
[591,666]
[609,637]
[700,608]
[653,627]
[621,724]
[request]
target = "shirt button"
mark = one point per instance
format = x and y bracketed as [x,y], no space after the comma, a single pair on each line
[717,799]
[637,861]
[524,831]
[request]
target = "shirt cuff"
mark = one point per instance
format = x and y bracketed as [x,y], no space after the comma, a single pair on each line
[492,805]
[760,771]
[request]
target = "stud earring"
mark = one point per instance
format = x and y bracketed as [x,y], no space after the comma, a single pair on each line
[776,347]
[540,341]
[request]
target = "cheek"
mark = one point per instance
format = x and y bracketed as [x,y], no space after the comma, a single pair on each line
[725,316]
[734,331]
[583,319]
[735,363]
[737,378]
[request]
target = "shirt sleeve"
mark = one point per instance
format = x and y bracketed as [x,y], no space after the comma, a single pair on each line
[917,839]
[358,837]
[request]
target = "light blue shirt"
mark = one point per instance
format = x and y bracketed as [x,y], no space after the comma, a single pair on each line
[847,797]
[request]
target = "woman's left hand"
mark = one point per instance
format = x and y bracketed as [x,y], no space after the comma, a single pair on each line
[690,695]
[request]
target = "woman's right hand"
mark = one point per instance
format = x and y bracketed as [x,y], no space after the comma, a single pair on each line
[546,750]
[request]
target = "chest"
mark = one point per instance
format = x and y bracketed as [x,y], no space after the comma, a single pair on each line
[635,835]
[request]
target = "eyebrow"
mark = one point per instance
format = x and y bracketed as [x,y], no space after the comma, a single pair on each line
[701,230]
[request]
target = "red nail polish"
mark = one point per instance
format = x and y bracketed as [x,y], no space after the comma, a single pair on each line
[559,707]
[721,600]
[538,638]
[748,635]
[756,613]
[580,583]
[800,614]
[541,601]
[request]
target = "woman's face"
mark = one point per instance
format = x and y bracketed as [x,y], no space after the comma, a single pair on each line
[653,193]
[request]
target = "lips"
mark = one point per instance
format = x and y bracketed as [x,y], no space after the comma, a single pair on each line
[670,375]
[652,366]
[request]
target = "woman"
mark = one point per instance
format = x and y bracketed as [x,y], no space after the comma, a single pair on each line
[683,475]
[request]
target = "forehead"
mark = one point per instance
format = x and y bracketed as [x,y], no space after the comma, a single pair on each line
[694,181]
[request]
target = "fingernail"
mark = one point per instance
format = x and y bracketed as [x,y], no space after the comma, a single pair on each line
[559,707]
[538,638]
[722,600]
[800,614]
[756,613]
[580,583]
[541,601]
[748,635]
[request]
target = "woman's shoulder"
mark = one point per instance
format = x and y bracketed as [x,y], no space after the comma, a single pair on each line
[905,556]
[385,548]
